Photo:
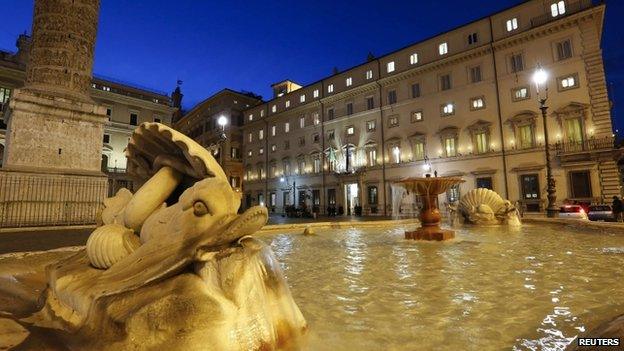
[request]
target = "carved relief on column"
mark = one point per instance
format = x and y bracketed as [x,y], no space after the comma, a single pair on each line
[61,58]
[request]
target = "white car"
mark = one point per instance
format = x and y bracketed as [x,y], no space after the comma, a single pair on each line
[572,211]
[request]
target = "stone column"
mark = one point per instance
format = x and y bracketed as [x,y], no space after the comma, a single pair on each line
[51,171]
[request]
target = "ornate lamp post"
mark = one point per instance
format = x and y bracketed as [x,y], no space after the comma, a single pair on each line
[540,78]
[222,121]
[294,187]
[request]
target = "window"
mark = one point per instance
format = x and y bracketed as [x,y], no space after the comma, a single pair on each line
[349,81]
[330,88]
[261,134]
[274,108]
[580,184]
[369,74]
[447,109]
[452,194]
[372,157]
[557,8]
[484,182]
[396,154]
[5,95]
[106,138]
[393,121]
[392,97]
[249,153]
[317,164]
[530,186]
[350,130]
[473,38]
[261,151]
[525,136]
[234,182]
[477,103]
[415,90]
[564,50]
[370,126]
[413,59]
[512,24]
[273,130]
[481,142]
[250,137]
[315,93]
[574,130]
[331,197]
[286,166]
[286,127]
[390,67]
[316,119]
[302,122]
[302,98]
[251,116]
[331,135]
[568,82]
[287,103]
[372,195]
[443,48]
[133,119]
[417,116]
[234,152]
[449,147]
[370,103]
[109,111]
[273,147]
[475,74]
[349,108]
[330,114]
[301,141]
[419,150]
[316,138]
[521,93]
[517,64]
[445,82]
[286,144]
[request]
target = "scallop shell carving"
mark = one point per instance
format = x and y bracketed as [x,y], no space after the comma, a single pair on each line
[109,244]
[477,197]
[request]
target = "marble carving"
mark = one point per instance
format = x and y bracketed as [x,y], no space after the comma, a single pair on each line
[485,207]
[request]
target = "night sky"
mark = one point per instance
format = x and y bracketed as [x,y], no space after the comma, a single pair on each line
[245,45]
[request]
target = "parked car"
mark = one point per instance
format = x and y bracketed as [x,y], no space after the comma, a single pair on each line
[600,213]
[572,211]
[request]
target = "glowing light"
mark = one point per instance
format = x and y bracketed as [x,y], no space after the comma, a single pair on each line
[222,121]
[282,179]
[426,167]
[540,76]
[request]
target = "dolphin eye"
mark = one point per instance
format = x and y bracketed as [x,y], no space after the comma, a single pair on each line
[200,208]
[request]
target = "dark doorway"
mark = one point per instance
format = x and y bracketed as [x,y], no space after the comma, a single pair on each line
[580,184]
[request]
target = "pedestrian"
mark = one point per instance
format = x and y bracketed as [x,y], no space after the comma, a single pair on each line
[617,209]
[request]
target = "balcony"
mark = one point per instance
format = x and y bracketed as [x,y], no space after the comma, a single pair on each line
[593,144]
[572,7]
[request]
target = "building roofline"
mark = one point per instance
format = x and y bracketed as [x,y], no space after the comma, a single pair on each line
[217,94]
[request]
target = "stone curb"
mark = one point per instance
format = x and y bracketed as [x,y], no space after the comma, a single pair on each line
[48,228]
[579,223]
[336,225]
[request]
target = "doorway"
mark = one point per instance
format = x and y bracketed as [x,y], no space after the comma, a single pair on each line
[352,195]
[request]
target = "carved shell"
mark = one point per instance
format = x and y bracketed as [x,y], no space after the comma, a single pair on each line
[478,197]
[109,244]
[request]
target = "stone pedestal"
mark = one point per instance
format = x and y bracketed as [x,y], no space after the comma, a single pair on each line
[430,224]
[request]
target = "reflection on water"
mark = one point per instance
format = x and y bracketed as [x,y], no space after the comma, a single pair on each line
[529,289]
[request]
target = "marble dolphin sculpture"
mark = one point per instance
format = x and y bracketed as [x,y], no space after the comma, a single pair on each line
[173,265]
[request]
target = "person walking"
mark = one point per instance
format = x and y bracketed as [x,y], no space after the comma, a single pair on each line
[617,209]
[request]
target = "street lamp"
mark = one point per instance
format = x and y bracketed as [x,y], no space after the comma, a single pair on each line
[540,78]
[222,121]
[282,180]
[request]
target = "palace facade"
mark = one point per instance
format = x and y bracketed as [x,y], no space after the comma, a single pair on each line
[461,103]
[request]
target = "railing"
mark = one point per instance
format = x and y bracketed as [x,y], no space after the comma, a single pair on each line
[592,144]
[570,8]
[48,200]
[115,170]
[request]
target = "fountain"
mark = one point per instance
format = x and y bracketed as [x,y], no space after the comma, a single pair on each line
[429,188]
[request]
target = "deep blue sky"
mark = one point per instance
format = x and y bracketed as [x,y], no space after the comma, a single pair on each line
[249,45]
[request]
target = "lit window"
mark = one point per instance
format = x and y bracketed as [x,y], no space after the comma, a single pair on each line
[512,24]
[481,142]
[330,88]
[287,103]
[273,147]
[349,81]
[393,121]
[350,130]
[568,82]
[443,48]
[477,103]
[315,93]
[557,8]
[302,98]
[372,157]
[261,134]
[261,151]
[273,108]
[249,153]
[396,154]
[449,147]
[316,118]
[370,126]
[413,59]
[273,130]
[301,122]
[369,74]
[251,117]
[250,137]
[286,127]
[448,109]
[261,113]
[417,116]
[520,93]
[317,164]
[390,67]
